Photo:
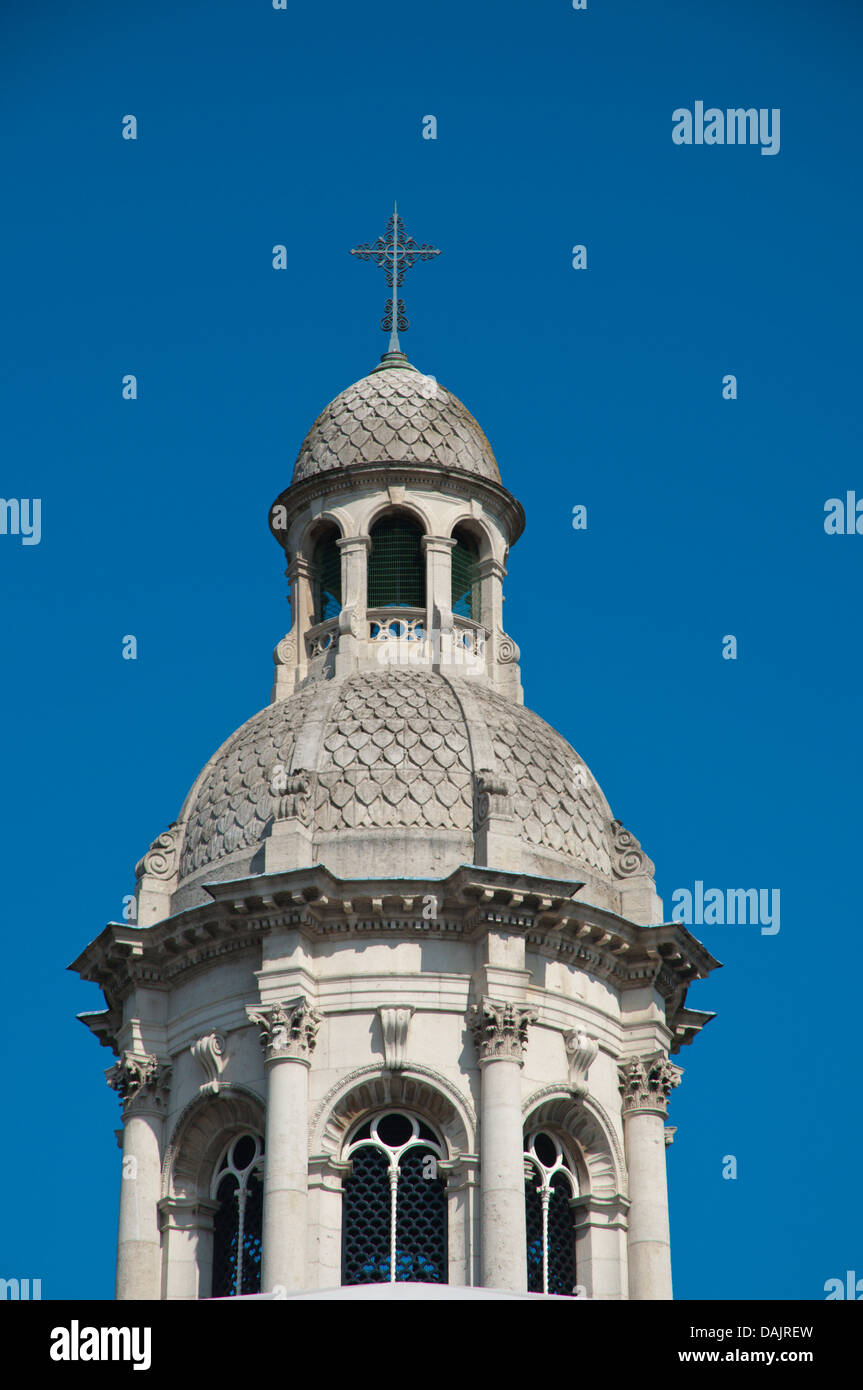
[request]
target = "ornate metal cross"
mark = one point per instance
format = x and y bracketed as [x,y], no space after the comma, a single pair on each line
[395,253]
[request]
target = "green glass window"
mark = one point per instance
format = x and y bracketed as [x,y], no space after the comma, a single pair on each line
[465,577]
[327,569]
[397,567]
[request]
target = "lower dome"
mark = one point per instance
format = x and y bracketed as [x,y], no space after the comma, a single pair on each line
[394,762]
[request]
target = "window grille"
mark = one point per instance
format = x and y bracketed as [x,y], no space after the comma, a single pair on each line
[237,1224]
[394,1212]
[465,577]
[549,1186]
[397,569]
[328,579]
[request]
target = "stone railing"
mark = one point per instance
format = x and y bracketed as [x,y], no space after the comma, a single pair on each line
[468,637]
[322,638]
[397,624]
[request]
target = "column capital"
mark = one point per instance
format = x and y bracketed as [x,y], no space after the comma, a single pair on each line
[288,1030]
[142,1082]
[647,1082]
[354,543]
[490,568]
[300,567]
[442,545]
[500,1029]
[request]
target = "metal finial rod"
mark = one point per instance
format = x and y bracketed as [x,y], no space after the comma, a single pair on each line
[395,253]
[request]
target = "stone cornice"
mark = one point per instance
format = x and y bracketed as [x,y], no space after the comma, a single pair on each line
[470,902]
[379,476]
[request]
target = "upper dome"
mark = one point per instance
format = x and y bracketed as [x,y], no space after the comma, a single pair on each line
[396,415]
[396,764]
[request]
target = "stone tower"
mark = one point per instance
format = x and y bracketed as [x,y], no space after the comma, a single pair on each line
[399,1000]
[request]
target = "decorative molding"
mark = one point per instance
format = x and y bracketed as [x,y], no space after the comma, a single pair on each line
[416,1086]
[627,856]
[586,1121]
[670,1131]
[394,1025]
[160,861]
[208,1052]
[199,1136]
[500,1029]
[647,1082]
[581,1049]
[141,1082]
[288,1029]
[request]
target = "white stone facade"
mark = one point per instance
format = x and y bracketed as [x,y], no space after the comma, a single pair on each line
[395,889]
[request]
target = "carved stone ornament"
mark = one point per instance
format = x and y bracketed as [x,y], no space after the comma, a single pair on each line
[160,861]
[285,653]
[287,1030]
[500,1029]
[208,1052]
[293,793]
[395,1024]
[507,651]
[493,796]
[647,1082]
[627,856]
[140,1081]
[581,1049]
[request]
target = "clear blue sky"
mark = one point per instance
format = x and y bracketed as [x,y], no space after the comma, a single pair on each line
[600,387]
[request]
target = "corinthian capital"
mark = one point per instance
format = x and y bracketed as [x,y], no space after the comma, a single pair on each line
[287,1029]
[141,1082]
[647,1082]
[500,1029]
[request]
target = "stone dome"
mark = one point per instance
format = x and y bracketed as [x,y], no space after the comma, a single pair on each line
[403,752]
[396,415]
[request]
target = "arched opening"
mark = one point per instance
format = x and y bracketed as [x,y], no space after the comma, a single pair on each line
[394,1217]
[465,575]
[327,576]
[238,1187]
[397,571]
[549,1187]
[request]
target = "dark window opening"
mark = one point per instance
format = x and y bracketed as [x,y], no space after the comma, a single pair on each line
[465,576]
[327,580]
[397,570]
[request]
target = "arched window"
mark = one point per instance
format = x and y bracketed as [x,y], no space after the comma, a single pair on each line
[465,575]
[238,1187]
[549,1186]
[397,570]
[394,1212]
[327,577]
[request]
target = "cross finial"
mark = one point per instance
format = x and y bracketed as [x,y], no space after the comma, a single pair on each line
[395,253]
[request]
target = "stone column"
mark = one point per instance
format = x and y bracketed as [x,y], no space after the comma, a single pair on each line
[288,1034]
[353,623]
[491,576]
[646,1083]
[299,572]
[142,1084]
[500,1034]
[438,553]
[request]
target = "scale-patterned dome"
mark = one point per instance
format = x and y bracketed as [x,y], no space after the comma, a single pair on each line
[396,415]
[395,749]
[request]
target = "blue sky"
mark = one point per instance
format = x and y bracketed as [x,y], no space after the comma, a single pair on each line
[599,387]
